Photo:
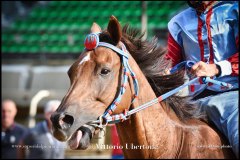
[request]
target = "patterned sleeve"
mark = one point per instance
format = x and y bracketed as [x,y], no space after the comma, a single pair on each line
[174,52]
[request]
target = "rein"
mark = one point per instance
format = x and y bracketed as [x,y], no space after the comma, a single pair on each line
[92,42]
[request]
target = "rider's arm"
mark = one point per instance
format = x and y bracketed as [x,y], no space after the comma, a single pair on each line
[227,67]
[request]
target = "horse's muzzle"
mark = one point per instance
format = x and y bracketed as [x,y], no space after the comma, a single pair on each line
[78,137]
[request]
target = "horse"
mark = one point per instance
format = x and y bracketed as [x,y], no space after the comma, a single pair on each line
[173,128]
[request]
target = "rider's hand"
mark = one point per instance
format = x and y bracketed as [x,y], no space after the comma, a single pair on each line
[201,69]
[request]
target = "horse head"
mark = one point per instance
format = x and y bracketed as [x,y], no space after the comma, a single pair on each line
[95,79]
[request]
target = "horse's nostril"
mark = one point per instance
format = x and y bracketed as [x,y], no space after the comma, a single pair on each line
[66,122]
[62,120]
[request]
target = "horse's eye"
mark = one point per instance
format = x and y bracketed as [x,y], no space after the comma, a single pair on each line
[105,71]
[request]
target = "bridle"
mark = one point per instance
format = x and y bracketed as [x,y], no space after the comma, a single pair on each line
[92,41]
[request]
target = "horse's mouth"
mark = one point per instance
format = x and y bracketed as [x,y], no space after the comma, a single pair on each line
[81,138]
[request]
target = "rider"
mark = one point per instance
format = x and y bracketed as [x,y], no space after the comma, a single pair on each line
[207,33]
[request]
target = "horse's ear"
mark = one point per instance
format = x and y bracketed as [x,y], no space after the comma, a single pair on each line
[114,29]
[95,28]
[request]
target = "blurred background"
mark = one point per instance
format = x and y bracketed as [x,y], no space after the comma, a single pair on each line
[41,39]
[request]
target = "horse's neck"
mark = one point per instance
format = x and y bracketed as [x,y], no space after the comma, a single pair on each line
[150,132]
